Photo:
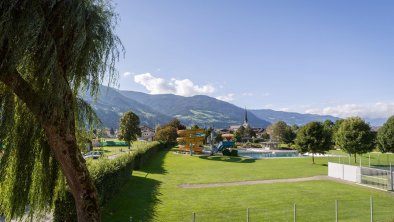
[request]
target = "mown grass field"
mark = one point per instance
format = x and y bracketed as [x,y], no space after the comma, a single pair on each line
[373,159]
[117,150]
[153,193]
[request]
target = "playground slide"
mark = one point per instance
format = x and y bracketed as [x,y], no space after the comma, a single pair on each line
[222,145]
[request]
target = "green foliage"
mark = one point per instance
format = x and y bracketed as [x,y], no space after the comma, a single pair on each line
[176,124]
[234,152]
[194,126]
[313,138]
[281,132]
[237,136]
[168,134]
[385,136]
[226,152]
[129,127]
[335,129]
[218,138]
[354,136]
[230,152]
[289,135]
[49,51]
[109,176]
[249,133]
[29,175]
[79,34]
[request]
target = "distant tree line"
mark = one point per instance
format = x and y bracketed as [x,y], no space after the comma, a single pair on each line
[353,135]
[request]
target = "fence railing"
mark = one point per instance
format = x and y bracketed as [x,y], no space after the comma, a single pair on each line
[367,209]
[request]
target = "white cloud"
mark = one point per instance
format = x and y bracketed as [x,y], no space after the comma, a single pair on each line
[182,87]
[126,73]
[285,109]
[376,110]
[247,94]
[227,98]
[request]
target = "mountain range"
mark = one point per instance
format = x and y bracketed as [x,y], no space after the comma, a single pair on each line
[202,110]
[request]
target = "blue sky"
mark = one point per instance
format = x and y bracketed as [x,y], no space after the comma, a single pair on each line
[327,57]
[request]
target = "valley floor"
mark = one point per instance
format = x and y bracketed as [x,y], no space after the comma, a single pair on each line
[154,194]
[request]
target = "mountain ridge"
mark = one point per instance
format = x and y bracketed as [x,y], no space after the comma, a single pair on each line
[202,110]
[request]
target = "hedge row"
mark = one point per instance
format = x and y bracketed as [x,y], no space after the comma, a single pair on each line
[113,143]
[109,176]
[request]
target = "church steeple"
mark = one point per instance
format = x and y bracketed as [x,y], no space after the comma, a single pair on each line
[246,122]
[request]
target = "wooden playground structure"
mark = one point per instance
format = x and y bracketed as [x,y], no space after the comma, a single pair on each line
[191,140]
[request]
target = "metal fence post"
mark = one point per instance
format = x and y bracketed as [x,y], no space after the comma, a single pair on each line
[371,206]
[336,210]
[391,178]
[194,217]
[247,214]
[295,212]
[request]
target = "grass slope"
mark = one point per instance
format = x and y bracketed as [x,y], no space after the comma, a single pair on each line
[153,195]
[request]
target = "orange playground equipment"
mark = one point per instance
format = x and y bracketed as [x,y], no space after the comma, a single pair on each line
[191,140]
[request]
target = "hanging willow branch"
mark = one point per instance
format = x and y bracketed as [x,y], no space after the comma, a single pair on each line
[47,48]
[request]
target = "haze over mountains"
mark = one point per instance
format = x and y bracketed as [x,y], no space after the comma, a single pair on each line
[204,111]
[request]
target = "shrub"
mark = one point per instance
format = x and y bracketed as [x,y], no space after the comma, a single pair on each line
[230,152]
[226,152]
[109,176]
[234,152]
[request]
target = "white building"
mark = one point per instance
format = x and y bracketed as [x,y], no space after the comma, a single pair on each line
[147,133]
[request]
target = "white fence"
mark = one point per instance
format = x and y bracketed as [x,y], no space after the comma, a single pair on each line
[344,172]
[378,178]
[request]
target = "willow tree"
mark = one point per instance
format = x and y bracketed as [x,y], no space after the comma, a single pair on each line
[49,52]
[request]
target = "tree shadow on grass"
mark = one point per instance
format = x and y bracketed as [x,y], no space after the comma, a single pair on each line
[135,202]
[228,159]
[138,197]
[155,165]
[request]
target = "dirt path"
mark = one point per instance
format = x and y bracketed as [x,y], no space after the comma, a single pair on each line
[291,180]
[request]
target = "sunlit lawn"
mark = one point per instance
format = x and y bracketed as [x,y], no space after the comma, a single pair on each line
[118,150]
[153,195]
[369,159]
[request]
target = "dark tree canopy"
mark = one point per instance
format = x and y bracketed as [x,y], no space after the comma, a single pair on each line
[194,126]
[49,52]
[176,124]
[168,134]
[385,136]
[129,127]
[281,132]
[354,136]
[313,138]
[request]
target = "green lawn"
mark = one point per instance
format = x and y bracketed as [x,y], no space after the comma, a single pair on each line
[153,195]
[373,158]
[115,150]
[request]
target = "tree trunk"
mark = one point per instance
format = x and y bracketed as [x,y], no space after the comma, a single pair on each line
[313,158]
[355,158]
[60,131]
[64,147]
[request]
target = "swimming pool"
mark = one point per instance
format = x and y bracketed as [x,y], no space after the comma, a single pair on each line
[261,154]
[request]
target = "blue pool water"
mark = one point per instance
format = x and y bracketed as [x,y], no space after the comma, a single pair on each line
[267,154]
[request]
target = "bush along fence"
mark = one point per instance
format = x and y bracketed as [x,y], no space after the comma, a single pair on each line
[109,176]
